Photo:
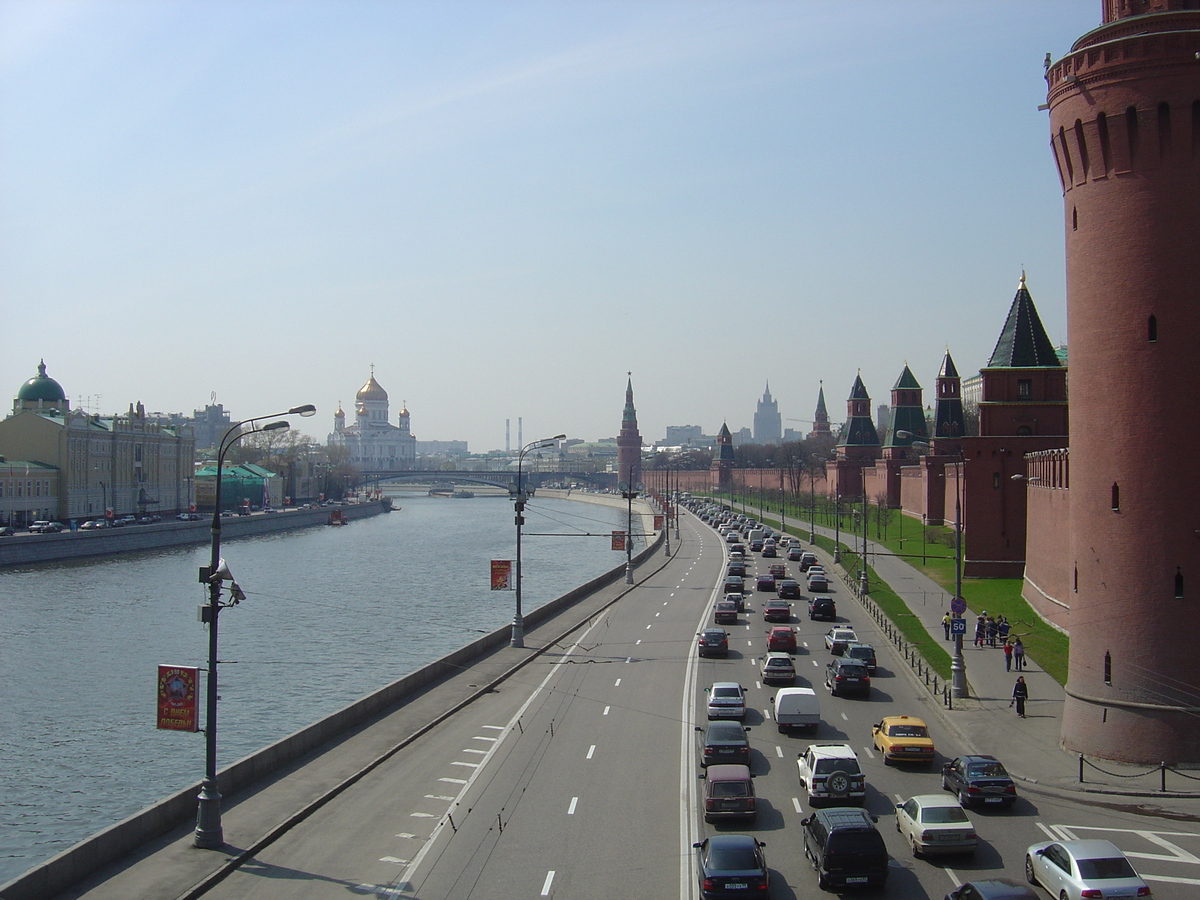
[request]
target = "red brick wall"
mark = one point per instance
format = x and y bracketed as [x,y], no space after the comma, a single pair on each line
[1048,575]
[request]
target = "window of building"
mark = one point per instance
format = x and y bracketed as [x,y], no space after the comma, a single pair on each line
[1116,497]
[1152,329]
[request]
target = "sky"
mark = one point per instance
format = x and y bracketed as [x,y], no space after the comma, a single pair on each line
[504,207]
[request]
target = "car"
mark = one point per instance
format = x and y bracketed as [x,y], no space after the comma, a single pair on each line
[779,570]
[845,848]
[821,606]
[724,742]
[756,546]
[733,585]
[979,779]
[728,793]
[847,676]
[830,772]
[713,642]
[992,889]
[7,531]
[769,551]
[863,653]
[794,554]
[786,588]
[1081,870]
[726,700]
[903,739]
[815,569]
[817,582]
[739,599]
[93,525]
[778,666]
[732,537]
[736,568]
[739,547]
[777,611]
[935,823]
[781,637]
[731,865]
[808,559]
[43,527]
[837,638]
[725,613]
[765,583]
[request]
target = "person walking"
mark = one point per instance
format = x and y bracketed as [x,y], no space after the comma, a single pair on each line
[946,625]
[1018,654]
[1008,652]
[991,631]
[1020,695]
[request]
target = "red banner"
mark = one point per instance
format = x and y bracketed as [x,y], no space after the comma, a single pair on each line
[658,523]
[618,540]
[502,575]
[177,690]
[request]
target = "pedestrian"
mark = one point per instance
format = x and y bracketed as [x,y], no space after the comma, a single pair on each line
[1020,695]
[1018,654]
[991,631]
[946,625]
[1003,628]
[1008,651]
[980,629]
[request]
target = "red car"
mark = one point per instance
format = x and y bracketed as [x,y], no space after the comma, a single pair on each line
[779,570]
[781,638]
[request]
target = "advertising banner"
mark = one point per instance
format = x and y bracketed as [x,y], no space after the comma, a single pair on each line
[658,523]
[177,693]
[618,540]
[502,575]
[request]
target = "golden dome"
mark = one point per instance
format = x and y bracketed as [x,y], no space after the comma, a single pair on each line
[371,391]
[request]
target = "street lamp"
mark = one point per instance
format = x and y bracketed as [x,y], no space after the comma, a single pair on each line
[629,491]
[837,527]
[209,834]
[812,500]
[519,499]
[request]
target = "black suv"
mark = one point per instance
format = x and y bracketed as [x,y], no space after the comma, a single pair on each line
[822,607]
[864,653]
[847,676]
[845,848]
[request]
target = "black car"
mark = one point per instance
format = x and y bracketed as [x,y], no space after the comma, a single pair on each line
[734,585]
[714,642]
[731,865]
[777,611]
[787,588]
[979,780]
[864,653]
[724,742]
[736,568]
[993,889]
[769,551]
[847,676]
[765,583]
[756,546]
[845,848]
[822,607]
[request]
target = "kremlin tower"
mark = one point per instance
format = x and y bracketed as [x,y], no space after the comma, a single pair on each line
[629,442]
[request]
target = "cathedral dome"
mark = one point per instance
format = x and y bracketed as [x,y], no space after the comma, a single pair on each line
[371,391]
[42,387]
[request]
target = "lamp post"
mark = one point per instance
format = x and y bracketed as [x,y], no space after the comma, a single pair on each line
[782,505]
[812,500]
[209,834]
[667,510]
[519,499]
[629,491]
[837,527]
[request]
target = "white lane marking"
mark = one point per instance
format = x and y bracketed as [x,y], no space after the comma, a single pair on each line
[766,715]
[796,804]
[406,835]
[815,663]
[571,808]
[870,752]
[899,798]
[751,643]
[422,815]
[651,624]
[638,641]
[465,764]
[1050,834]
[779,751]
[392,859]
[454,780]
[546,883]
[953,875]
[480,737]
[439,797]
[656,615]
[591,750]
[618,683]
[494,727]
[606,709]
[846,718]
[476,750]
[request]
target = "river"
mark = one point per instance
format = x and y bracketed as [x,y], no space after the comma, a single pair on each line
[330,615]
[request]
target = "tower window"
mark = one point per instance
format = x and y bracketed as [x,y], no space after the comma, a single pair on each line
[1074,218]
[1178,583]
[1075,584]
[1024,388]
[1131,128]
[1081,141]
[1152,329]
[1105,152]
[1066,152]
[996,481]
[1164,129]
[1116,497]
[1107,667]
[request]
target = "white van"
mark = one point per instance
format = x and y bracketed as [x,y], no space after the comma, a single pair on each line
[796,707]
[756,534]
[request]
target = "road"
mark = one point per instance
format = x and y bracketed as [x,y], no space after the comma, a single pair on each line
[580,778]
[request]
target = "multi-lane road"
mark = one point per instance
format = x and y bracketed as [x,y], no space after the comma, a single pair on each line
[580,777]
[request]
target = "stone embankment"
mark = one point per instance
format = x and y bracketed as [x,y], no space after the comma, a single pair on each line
[31,549]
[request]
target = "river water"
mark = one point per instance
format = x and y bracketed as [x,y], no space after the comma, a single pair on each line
[331,614]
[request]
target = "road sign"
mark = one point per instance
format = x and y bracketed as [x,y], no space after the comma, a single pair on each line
[958,626]
[958,606]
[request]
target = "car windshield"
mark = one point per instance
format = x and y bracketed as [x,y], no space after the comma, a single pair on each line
[732,859]
[943,815]
[782,663]
[726,692]
[908,731]
[726,731]
[1100,869]
[729,789]
[849,766]
[855,843]
[853,672]
[987,770]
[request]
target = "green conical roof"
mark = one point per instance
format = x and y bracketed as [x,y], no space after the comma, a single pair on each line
[906,381]
[1023,343]
[42,387]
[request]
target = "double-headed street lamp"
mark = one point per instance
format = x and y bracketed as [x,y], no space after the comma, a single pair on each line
[209,833]
[629,491]
[519,499]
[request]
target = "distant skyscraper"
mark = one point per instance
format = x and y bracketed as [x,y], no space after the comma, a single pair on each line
[629,442]
[768,425]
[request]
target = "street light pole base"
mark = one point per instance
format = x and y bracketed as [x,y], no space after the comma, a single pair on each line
[208,835]
[958,671]
[629,573]
[518,632]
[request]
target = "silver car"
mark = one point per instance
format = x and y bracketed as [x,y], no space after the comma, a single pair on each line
[726,700]
[1069,868]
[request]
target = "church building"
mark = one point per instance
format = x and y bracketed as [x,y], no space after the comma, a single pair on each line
[373,443]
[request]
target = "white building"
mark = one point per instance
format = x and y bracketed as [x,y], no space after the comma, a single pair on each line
[372,442]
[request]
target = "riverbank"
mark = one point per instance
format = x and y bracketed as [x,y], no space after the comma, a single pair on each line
[33,549]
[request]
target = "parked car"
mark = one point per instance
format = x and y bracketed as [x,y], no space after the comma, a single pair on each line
[731,865]
[713,642]
[847,676]
[903,739]
[845,848]
[777,667]
[863,653]
[979,779]
[44,527]
[830,772]
[724,742]
[821,606]
[837,638]
[1081,870]
[93,525]
[935,823]
[777,611]
[728,793]
[726,700]
[782,638]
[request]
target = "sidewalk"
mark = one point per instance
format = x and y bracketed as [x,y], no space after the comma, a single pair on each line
[1030,748]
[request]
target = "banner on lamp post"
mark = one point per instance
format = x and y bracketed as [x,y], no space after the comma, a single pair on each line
[502,575]
[177,693]
[618,540]
[658,523]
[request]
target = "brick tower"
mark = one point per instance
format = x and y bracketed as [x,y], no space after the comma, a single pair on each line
[629,442]
[1125,135]
[722,463]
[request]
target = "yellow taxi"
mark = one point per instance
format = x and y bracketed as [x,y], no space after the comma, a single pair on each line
[903,739]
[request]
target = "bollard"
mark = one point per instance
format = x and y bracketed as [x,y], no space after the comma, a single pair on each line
[1081,768]
[1162,772]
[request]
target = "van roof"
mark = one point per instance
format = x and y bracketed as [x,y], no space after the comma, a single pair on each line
[790,691]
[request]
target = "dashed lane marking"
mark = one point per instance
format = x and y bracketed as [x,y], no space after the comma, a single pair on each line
[480,737]
[453,780]
[796,804]
[439,797]
[571,808]
[591,750]
[465,764]
[606,709]
[779,751]
[618,682]
[474,750]
[406,835]
[546,884]
[392,859]
[423,815]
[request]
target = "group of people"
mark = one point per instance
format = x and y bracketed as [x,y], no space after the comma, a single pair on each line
[992,631]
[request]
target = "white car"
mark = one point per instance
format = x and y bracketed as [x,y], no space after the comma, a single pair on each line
[836,639]
[726,700]
[831,772]
[935,823]
[1074,870]
[778,667]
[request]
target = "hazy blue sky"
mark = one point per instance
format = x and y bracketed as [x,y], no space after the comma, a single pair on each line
[507,205]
